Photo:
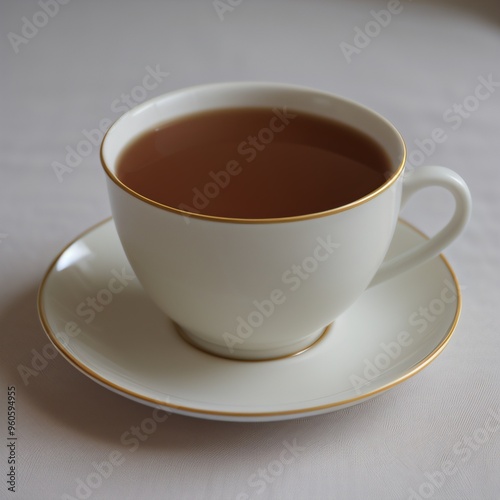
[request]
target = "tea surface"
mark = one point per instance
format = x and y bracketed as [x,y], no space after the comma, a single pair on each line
[253,163]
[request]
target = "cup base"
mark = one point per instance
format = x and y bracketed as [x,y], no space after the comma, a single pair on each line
[252,355]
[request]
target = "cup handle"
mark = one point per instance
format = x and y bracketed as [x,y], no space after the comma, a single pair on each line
[413,182]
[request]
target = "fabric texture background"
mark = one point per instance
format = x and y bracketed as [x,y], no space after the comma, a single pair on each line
[74,69]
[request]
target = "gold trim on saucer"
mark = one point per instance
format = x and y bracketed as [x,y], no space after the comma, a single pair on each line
[170,406]
[184,336]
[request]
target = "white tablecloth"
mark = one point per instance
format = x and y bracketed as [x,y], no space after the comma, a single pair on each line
[71,67]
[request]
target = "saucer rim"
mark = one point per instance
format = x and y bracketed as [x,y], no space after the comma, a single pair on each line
[188,410]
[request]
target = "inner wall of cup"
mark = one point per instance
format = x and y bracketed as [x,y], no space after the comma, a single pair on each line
[221,96]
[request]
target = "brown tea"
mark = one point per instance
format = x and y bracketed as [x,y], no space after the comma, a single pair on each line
[253,163]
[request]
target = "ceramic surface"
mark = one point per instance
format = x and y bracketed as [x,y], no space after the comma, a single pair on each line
[99,317]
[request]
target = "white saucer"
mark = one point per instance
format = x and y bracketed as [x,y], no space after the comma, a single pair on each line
[392,332]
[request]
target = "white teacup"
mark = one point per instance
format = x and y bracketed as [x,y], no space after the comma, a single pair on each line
[266,288]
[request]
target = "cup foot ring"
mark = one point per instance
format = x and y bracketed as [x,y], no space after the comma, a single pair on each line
[194,343]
